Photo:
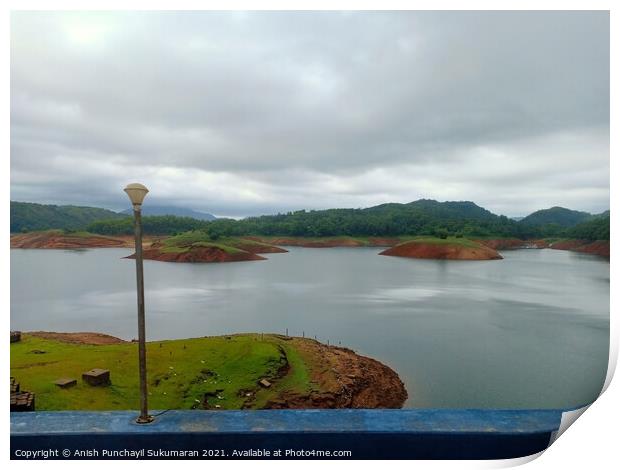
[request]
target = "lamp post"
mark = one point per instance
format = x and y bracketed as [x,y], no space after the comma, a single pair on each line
[136,193]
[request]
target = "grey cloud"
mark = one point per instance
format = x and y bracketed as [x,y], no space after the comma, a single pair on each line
[311,109]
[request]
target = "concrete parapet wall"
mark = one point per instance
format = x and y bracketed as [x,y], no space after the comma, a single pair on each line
[420,434]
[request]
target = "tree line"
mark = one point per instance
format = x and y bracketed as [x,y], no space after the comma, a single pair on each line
[381,221]
[422,217]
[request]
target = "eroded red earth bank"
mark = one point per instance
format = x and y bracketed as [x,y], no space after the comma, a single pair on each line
[59,240]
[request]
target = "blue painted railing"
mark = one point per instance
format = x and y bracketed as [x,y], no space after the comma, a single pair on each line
[357,434]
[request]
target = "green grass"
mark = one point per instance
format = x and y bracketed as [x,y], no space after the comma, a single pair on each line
[184,242]
[179,371]
[297,379]
[186,239]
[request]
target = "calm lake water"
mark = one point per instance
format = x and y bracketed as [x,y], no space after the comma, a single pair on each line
[530,331]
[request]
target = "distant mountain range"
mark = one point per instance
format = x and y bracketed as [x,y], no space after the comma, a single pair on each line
[422,217]
[171,210]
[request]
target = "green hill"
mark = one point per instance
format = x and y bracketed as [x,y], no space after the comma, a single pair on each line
[556,215]
[26,216]
[423,217]
[453,209]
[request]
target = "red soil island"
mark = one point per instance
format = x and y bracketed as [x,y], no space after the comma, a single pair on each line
[199,247]
[458,249]
[203,253]
[60,240]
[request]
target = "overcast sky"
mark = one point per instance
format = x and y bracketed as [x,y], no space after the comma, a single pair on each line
[239,113]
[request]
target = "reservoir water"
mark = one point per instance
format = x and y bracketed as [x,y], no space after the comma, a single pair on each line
[529,331]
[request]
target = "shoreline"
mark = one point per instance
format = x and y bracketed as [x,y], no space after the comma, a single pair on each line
[247,251]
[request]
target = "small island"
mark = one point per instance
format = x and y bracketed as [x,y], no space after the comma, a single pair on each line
[439,248]
[198,247]
[239,371]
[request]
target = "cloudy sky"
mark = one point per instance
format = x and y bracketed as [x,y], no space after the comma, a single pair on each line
[240,113]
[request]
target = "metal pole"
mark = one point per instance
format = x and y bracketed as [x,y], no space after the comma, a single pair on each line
[144,415]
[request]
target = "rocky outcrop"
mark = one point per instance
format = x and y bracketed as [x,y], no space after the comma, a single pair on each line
[443,250]
[344,379]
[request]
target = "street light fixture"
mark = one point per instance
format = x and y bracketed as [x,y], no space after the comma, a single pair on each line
[136,193]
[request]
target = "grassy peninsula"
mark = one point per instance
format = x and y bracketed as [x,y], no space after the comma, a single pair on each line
[221,372]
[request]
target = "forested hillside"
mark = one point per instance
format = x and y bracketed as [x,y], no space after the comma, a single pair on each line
[596,228]
[556,215]
[423,217]
[26,216]
[152,225]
